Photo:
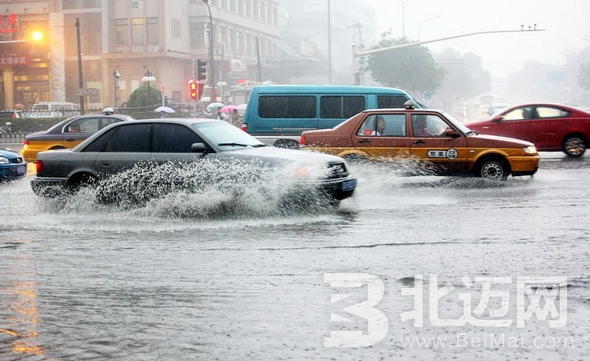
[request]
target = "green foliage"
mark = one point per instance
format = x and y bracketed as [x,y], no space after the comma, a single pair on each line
[411,68]
[145,96]
[584,76]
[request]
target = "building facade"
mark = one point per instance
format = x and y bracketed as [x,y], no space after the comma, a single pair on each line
[105,49]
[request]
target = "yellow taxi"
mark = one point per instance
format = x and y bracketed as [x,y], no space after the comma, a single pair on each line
[68,133]
[425,135]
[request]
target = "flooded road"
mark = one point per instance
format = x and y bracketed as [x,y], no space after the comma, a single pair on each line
[82,281]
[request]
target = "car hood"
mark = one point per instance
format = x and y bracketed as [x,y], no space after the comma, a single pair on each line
[9,153]
[494,140]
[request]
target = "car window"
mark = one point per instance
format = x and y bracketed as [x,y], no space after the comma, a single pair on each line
[552,112]
[108,121]
[389,125]
[428,125]
[528,112]
[129,138]
[173,138]
[341,106]
[391,101]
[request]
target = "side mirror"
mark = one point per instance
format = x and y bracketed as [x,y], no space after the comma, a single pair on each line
[451,133]
[498,119]
[200,148]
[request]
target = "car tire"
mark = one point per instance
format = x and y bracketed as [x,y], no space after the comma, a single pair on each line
[286,143]
[574,146]
[81,181]
[493,168]
[354,158]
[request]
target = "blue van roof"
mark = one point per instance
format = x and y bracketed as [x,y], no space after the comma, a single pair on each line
[323,89]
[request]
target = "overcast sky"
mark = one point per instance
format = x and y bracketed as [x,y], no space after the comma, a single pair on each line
[566,24]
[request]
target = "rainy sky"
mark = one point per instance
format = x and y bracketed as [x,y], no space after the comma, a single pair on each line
[567,29]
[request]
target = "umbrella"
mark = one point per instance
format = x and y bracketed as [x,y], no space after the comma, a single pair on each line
[164,110]
[242,106]
[215,105]
[228,108]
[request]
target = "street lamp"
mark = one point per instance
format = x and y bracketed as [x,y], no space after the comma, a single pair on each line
[147,78]
[425,21]
[116,75]
[211,57]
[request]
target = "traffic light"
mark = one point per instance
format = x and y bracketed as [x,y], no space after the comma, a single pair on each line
[201,69]
[193,88]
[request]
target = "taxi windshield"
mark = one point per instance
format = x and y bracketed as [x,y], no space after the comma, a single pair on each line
[457,124]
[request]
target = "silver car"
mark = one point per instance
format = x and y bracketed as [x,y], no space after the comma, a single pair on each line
[207,151]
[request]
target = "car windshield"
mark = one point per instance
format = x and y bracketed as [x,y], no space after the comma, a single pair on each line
[457,124]
[226,136]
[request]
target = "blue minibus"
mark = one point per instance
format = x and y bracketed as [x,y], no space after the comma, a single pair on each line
[277,114]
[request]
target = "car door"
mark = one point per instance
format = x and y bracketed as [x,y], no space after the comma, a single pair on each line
[387,143]
[516,123]
[549,126]
[173,142]
[430,142]
[121,148]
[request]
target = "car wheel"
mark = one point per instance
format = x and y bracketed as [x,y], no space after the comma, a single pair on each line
[286,143]
[574,146]
[493,169]
[78,182]
[354,158]
[57,147]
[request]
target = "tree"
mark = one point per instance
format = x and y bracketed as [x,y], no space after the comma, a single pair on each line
[412,68]
[145,96]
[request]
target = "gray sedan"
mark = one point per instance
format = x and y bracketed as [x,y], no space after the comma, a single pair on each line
[165,155]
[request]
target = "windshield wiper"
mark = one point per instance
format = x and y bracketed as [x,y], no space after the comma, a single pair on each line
[234,144]
[259,145]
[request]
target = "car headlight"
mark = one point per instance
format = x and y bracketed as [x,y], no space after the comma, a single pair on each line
[530,149]
[4,160]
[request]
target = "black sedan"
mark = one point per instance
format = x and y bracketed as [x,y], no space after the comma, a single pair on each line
[68,133]
[151,158]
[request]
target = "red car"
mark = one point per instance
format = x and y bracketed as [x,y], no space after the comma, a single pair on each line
[551,127]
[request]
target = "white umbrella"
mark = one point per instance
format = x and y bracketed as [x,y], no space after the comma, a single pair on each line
[215,105]
[164,110]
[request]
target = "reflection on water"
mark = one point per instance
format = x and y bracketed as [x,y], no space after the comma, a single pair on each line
[20,311]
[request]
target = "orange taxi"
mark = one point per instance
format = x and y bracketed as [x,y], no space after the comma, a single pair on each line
[425,135]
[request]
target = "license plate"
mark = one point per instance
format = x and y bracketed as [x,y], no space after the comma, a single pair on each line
[349,185]
[21,169]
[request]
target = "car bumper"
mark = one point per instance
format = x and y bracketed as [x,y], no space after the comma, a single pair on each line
[13,172]
[339,188]
[526,165]
[49,187]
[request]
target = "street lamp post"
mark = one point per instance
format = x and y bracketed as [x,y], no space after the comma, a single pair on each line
[116,75]
[147,78]
[425,21]
[211,57]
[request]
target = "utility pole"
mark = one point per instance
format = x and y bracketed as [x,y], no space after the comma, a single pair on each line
[80,77]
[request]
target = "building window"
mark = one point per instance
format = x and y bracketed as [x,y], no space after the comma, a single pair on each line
[122,31]
[138,31]
[176,28]
[198,35]
[152,30]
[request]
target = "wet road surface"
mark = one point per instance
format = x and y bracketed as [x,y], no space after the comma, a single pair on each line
[82,281]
